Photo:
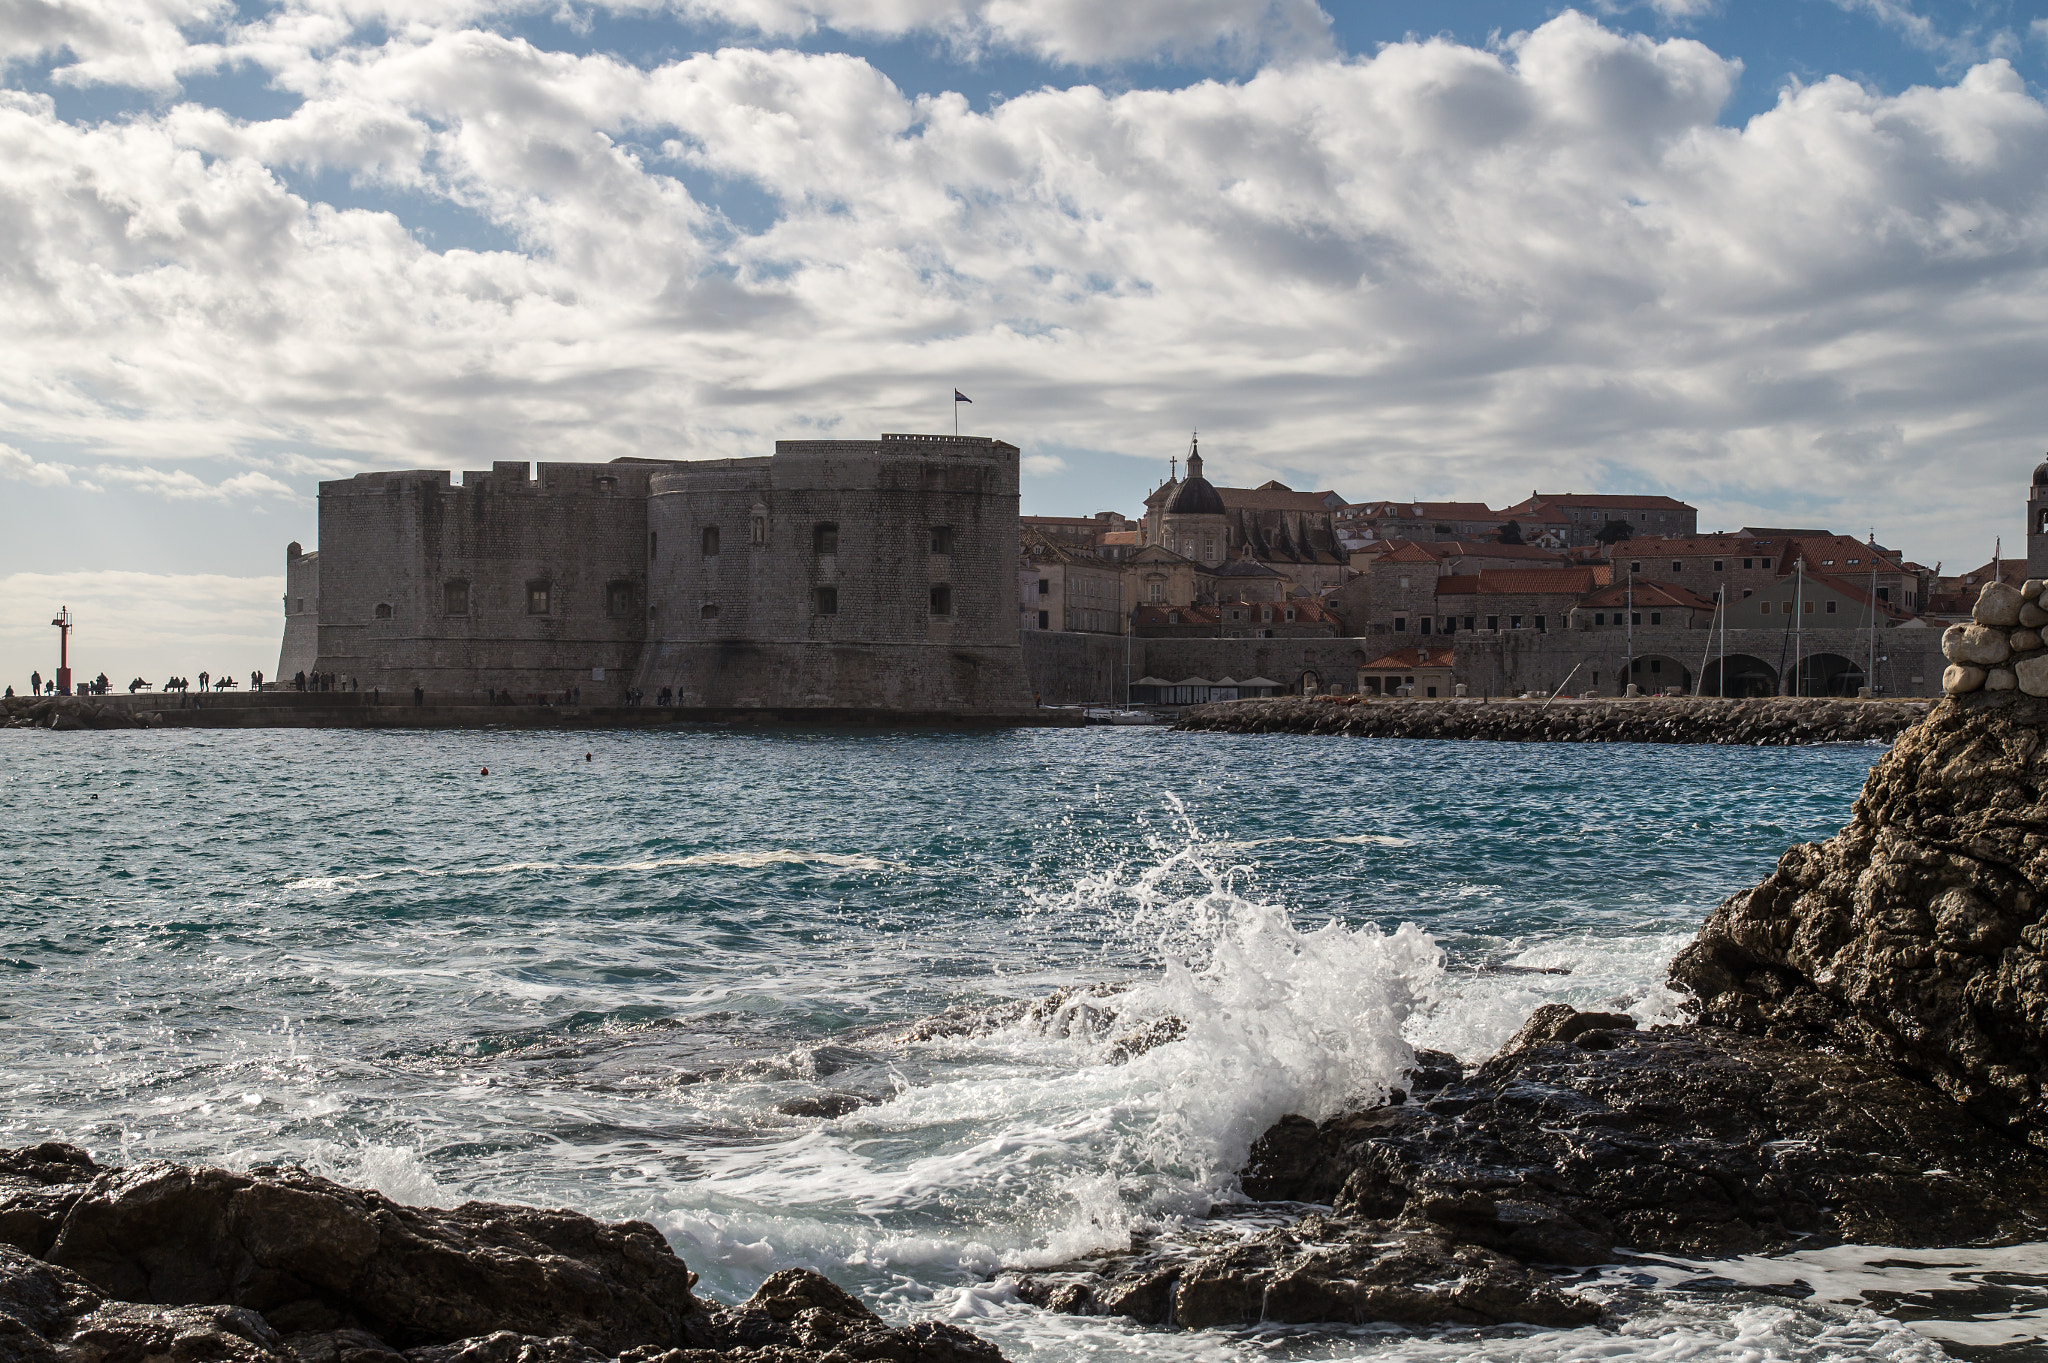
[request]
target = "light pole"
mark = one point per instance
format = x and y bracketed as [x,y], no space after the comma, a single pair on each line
[63,622]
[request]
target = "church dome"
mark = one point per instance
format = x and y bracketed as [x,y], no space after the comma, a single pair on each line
[2041,474]
[1197,496]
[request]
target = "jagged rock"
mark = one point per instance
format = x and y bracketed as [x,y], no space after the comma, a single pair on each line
[1321,1269]
[1916,934]
[162,1262]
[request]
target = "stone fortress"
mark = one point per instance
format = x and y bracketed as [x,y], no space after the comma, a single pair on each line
[835,576]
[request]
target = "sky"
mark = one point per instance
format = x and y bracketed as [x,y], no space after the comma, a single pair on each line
[1785,259]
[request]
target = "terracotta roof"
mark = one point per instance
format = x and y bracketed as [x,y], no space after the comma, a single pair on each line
[1428,551]
[1448,511]
[1402,658]
[1603,499]
[1241,567]
[1651,594]
[1119,537]
[1270,498]
[1521,581]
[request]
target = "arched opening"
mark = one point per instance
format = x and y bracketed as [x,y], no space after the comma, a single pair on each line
[1655,674]
[1310,683]
[1747,676]
[1830,674]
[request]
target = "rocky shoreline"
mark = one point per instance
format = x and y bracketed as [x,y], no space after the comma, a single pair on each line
[164,1263]
[1773,722]
[1864,1064]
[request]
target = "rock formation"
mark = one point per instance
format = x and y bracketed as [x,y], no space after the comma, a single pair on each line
[2001,649]
[1775,722]
[1865,1065]
[163,1261]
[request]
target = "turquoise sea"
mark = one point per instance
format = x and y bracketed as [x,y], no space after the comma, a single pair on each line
[626,972]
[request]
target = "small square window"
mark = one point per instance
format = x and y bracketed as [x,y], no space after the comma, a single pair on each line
[383,610]
[942,539]
[537,597]
[455,598]
[707,611]
[1400,623]
[1717,565]
[942,599]
[825,539]
[1831,608]
[828,600]
[1599,617]
[1656,617]
[618,599]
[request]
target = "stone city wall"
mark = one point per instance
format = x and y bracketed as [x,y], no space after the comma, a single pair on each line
[300,651]
[1510,662]
[424,583]
[2002,649]
[847,573]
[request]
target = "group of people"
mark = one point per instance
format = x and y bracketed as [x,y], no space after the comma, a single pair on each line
[100,686]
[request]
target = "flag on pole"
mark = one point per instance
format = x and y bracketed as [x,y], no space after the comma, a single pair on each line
[959,396]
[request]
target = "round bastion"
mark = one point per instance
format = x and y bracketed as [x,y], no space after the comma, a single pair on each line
[2003,649]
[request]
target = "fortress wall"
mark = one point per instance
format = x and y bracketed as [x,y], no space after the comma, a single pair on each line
[300,651]
[771,643]
[1080,669]
[400,539]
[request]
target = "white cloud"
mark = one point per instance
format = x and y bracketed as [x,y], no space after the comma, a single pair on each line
[1043,465]
[1955,49]
[179,485]
[140,43]
[21,469]
[1439,270]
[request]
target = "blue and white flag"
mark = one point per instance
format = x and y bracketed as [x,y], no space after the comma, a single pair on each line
[959,396]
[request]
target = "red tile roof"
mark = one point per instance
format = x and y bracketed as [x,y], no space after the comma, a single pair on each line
[1651,594]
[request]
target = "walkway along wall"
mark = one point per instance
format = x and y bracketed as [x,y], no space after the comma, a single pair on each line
[1067,669]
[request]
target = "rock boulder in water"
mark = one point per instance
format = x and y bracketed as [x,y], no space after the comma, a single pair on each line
[165,1261]
[1916,934]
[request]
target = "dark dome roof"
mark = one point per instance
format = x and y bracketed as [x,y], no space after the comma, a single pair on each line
[2041,474]
[1196,497]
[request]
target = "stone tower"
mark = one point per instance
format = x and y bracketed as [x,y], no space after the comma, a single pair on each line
[2037,522]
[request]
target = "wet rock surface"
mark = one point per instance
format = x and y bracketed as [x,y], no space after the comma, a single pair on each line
[1865,1066]
[165,1261]
[1916,934]
[1769,723]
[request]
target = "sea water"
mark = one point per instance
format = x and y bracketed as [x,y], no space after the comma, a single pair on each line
[1058,981]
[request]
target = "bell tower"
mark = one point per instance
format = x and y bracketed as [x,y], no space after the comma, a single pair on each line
[2037,523]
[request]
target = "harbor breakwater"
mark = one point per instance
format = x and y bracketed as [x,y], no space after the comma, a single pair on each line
[1773,722]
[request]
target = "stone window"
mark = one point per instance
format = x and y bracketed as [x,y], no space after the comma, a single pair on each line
[607,484]
[1540,625]
[1884,593]
[942,539]
[1635,617]
[455,598]
[825,539]
[707,611]
[710,541]
[1635,567]
[1763,606]
[1045,619]
[828,601]
[942,599]
[1656,617]
[1717,565]
[1763,563]
[1421,626]
[383,610]
[1831,608]
[1677,566]
[1514,622]
[1809,607]
[1400,623]
[1208,546]
[1045,587]
[1599,617]
[618,599]
[1425,623]
[757,526]
[1156,592]
[539,595]
[1747,563]
[1493,622]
